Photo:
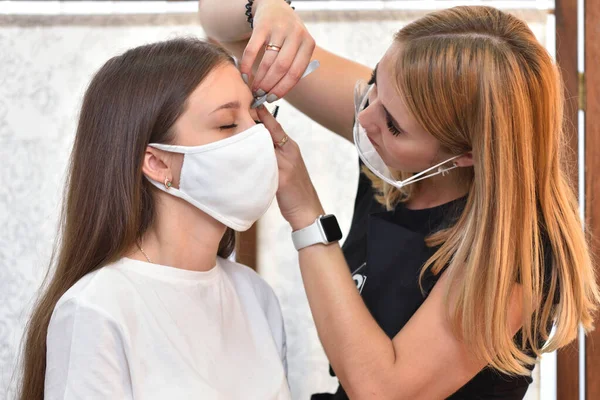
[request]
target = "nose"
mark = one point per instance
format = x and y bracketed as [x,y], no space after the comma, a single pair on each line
[364,117]
[249,119]
[368,120]
[254,116]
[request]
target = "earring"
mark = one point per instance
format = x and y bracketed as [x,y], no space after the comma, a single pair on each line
[168,183]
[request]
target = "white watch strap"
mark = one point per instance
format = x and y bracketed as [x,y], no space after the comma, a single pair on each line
[308,236]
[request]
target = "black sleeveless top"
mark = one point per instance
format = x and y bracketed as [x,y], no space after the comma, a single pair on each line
[385,251]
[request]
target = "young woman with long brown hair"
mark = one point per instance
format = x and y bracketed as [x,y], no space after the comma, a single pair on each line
[143,301]
[466,242]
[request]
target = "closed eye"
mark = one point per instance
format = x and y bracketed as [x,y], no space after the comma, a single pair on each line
[391,127]
[225,127]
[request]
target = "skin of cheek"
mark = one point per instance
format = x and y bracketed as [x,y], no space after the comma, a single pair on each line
[409,154]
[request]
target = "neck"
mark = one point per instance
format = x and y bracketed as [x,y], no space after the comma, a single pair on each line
[181,236]
[438,190]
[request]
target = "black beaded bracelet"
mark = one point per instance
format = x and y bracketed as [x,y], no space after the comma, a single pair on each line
[248,13]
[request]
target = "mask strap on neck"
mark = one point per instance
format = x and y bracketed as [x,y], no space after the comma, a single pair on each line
[440,170]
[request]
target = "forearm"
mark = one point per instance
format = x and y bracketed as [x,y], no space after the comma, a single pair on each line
[225,21]
[358,349]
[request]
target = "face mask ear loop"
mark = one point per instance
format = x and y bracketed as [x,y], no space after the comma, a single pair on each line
[440,171]
[443,171]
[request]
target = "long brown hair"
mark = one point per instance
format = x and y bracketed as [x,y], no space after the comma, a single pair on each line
[477,79]
[134,99]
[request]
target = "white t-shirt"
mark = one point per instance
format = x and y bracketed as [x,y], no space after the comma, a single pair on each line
[135,330]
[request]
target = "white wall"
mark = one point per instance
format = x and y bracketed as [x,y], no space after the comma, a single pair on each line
[45,65]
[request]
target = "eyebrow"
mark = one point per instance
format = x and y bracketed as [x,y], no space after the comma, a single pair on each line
[389,115]
[231,104]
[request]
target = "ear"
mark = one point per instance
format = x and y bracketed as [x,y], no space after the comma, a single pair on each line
[466,160]
[156,165]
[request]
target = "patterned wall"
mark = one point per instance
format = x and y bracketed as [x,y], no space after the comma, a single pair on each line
[45,65]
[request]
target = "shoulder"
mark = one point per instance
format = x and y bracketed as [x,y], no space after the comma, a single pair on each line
[101,292]
[251,287]
[86,345]
[245,278]
[84,316]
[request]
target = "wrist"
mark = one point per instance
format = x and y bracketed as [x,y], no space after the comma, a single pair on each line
[324,229]
[256,4]
[305,218]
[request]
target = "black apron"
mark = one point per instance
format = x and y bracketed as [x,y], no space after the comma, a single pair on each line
[385,251]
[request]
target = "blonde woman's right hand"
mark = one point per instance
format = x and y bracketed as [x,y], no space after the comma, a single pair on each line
[275,22]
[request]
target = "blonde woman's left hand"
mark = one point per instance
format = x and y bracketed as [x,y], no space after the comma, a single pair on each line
[298,200]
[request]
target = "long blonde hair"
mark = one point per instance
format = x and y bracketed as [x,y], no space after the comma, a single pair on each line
[477,79]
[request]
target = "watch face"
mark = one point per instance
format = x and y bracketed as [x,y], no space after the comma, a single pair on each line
[331,228]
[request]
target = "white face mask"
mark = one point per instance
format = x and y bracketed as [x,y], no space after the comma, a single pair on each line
[233,180]
[371,158]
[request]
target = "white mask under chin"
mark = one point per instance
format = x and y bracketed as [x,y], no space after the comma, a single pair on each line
[233,180]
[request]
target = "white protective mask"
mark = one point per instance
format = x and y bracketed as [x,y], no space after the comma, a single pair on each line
[371,158]
[233,180]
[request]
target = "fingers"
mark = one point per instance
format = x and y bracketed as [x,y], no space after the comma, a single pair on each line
[277,132]
[269,58]
[281,66]
[282,69]
[295,71]
[279,69]
[281,140]
[252,50]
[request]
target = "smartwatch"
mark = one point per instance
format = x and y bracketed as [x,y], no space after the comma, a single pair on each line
[324,230]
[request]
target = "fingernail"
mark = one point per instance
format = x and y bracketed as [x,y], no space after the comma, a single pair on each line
[259,101]
[271,98]
[260,93]
[245,78]
[314,64]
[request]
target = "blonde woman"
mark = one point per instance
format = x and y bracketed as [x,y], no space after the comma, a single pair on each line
[466,244]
